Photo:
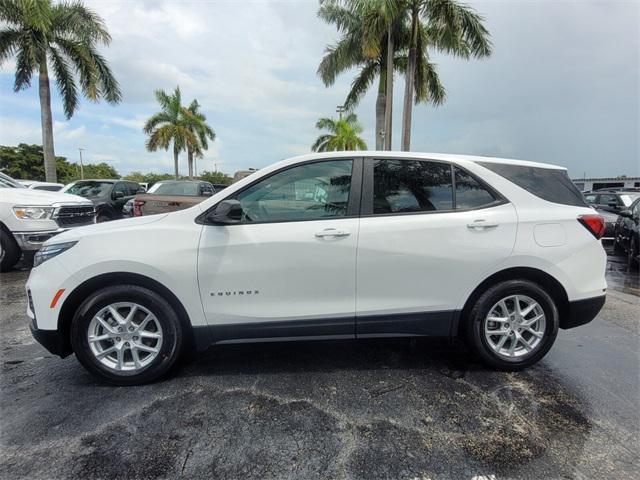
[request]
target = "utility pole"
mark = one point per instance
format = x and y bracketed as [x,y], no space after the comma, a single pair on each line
[341,109]
[81,166]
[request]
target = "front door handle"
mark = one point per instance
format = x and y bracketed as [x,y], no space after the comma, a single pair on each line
[332,232]
[482,224]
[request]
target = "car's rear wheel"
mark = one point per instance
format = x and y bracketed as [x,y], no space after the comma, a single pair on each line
[9,251]
[126,335]
[513,324]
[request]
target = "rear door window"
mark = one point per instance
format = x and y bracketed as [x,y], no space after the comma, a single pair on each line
[403,186]
[550,184]
[470,193]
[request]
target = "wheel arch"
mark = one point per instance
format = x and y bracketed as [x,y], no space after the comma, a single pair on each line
[82,291]
[552,286]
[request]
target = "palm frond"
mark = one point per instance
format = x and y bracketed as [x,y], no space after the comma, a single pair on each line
[9,42]
[108,85]
[73,19]
[326,124]
[65,82]
[361,84]
[26,63]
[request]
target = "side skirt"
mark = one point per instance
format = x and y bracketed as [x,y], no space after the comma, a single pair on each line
[431,324]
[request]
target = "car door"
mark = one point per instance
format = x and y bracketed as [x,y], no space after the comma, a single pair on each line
[429,232]
[288,268]
[609,202]
[119,196]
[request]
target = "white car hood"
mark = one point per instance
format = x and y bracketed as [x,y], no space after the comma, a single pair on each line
[97,228]
[26,196]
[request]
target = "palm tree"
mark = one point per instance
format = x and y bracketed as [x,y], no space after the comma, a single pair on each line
[381,19]
[344,134]
[63,37]
[446,26]
[350,19]
[197,123]
[170,126]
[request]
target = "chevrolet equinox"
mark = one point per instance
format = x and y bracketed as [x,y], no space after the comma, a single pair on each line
[336,245]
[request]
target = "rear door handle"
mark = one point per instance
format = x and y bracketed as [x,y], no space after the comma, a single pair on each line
[332,232]
[482,224]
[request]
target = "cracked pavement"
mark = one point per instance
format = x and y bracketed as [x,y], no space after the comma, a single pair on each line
[375,409]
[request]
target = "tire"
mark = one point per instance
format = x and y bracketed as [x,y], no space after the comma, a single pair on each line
[9,252]
[488,302]
[632,254]
[162,321]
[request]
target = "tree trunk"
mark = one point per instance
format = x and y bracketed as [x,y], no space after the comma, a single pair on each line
[388,126]
[47,124]
[190,162]
[175,162]
[380,109]
[409,85]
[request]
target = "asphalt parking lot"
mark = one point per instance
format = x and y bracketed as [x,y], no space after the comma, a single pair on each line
[400,409]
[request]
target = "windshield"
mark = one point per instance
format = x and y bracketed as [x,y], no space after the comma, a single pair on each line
[7,182]
[629,198]
[175,188]
[89,188]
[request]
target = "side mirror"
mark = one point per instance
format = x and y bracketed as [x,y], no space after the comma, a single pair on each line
[613,205]
[141,190]
[626,213]
[207,193]
[118,195]
[227,212]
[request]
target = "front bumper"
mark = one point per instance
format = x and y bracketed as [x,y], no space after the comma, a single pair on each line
[34,240]
[582,311]
[52,340]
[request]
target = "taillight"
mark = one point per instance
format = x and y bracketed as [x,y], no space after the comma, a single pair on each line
[593,223]
[136,208]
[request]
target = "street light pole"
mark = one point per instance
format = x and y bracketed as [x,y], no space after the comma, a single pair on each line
[81,166]
[341,109]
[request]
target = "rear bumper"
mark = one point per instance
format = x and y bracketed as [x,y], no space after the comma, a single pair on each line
[52,340]
[582,311]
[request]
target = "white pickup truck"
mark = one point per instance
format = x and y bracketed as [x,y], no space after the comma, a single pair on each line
[30,217]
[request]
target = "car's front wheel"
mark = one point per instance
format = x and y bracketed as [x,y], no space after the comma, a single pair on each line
[9,251]
[126,335]
[513,324]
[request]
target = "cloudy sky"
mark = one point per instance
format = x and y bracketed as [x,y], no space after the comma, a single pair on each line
[562,86]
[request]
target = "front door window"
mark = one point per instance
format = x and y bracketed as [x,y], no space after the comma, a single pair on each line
[313,191]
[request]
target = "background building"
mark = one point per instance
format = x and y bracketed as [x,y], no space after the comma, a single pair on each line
[588,184]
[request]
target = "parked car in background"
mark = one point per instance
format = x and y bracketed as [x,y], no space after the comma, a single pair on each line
[626,234]
[48,186]
[611,200]
[500,252]
[109,196]
[29,217]
[240,174]
[172,195]
[609,203]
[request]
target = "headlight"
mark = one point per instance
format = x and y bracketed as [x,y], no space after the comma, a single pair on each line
[50,251]
[33,213]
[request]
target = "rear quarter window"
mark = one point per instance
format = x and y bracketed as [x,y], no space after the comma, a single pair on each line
[552,185]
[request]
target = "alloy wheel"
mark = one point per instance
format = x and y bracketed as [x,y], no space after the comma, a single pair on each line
[125,337]
[515,326]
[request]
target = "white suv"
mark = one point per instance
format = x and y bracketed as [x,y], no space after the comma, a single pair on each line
[333,245]
[29,217]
